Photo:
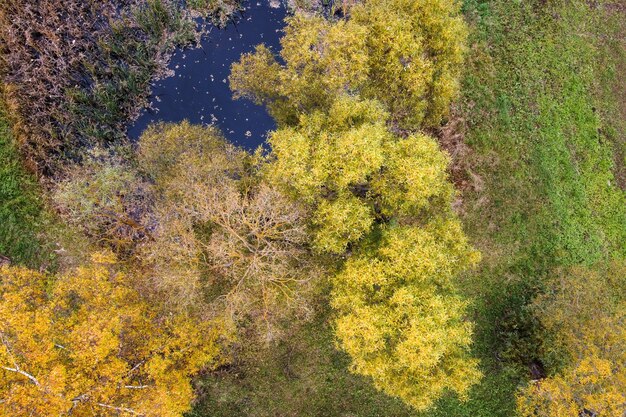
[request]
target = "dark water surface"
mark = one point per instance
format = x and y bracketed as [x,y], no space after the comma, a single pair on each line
[199,90]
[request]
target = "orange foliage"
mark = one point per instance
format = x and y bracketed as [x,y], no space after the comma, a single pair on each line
[90,346]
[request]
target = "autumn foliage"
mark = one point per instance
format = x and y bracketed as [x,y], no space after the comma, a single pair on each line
[399,317]
[220,239]
[346,164]
[224,241]
[406,54]
[86,344]
[351,97]
[583,314]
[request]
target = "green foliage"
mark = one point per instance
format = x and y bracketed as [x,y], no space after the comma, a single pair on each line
[399,318]
[404,53]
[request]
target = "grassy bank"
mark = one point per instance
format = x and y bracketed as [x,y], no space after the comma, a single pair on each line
[21,209]
[542,122]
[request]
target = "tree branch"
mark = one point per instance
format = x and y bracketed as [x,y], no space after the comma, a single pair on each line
[126,410]
[26,374]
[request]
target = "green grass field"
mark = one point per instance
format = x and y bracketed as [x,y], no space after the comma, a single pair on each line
[545,143]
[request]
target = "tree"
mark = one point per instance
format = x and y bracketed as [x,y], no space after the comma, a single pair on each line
[406,54]
[415,52]
[224,239]
[353,172]
[583,314]
[398,316]
[91,346]
[322,60]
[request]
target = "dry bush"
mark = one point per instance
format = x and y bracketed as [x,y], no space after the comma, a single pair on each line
[107,200]
[77,70]
[223,240]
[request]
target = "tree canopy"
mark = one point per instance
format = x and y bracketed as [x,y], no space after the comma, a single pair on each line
[406,54]
[354,172]
[87,344]
[399,317]
[223,240]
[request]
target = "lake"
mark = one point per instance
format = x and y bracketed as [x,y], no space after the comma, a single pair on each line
[199,91]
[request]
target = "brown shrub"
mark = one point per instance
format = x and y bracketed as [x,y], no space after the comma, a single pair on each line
[107,200]
[223,240]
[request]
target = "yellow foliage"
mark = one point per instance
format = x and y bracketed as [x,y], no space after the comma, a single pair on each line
[584,315]
[91,346]
[404,53]
[353,171]
[398,316]
[414,178]
[345,219]
[415,53]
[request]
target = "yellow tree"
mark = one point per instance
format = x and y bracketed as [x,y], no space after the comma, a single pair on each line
[86,344]
[223,239]
[347,166]
[399,318]
[406,54]
[583,314]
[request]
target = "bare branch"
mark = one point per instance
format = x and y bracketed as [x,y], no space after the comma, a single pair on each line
[126,410]
[26,374]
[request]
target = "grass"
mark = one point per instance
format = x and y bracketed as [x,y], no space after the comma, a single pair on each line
[302,376]
[30,232]
[21,208]
[545,135]
[220,11]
